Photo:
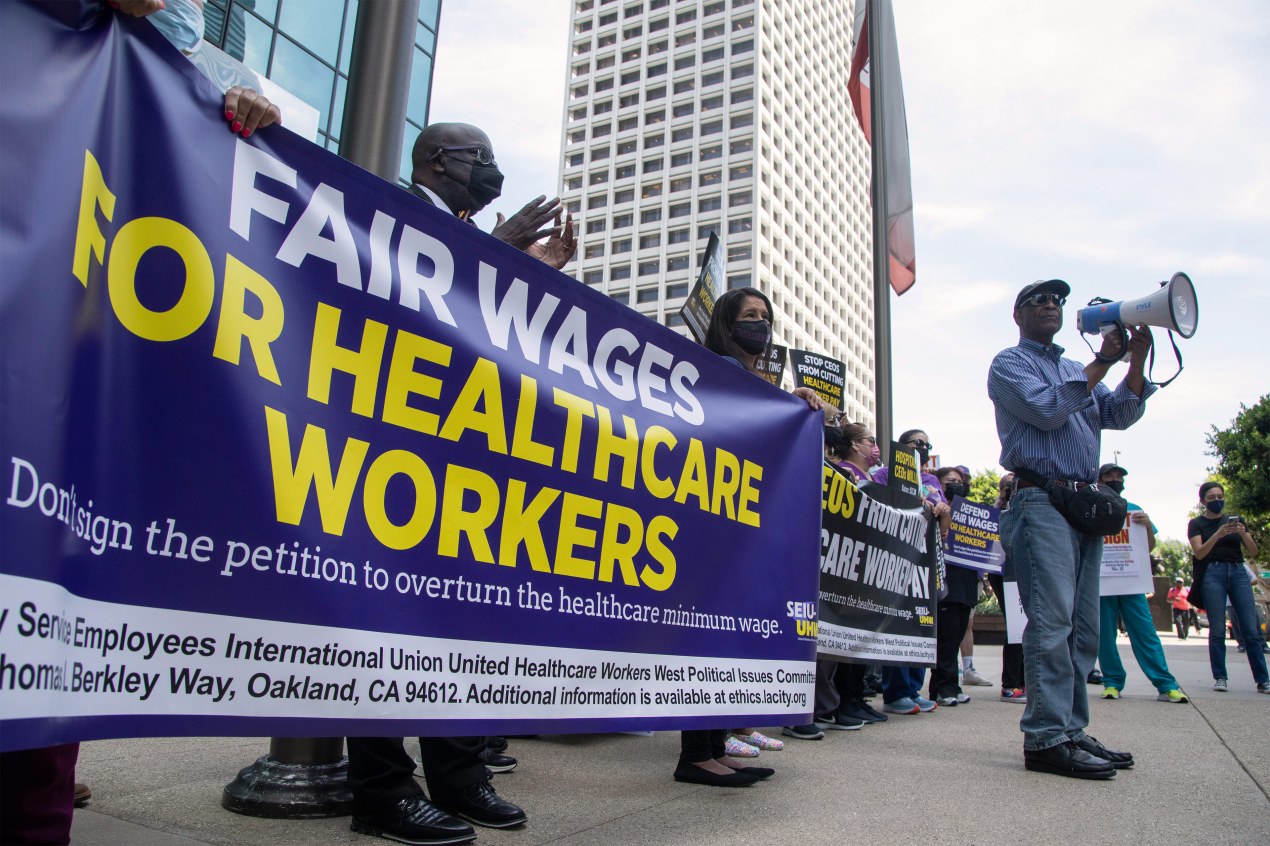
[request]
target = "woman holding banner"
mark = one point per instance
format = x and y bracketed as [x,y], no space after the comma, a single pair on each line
[740,330]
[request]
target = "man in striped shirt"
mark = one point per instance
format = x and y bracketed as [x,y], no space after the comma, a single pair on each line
[1050,413]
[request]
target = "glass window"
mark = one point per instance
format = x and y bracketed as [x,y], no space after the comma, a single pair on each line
[681,183]
[714,127]
[593,277]
[659,47]
[743,22]
[713,177]
[712,55]
[712,78]
[655,116]
[594,226]
[601,130]
[680,210]
[714,8]
[606,40]
[685,62]
[631,54]
[623,297]
[677,236]
[622,246]
[628,100]
[704,232]
[654,140]
[632,32]
[742,121]
[646,295]
[572,183]
[650,216]
[712,31]
[685,16]
[746,46]
[603,107]
[594,250]
[621,221]
[685,85]
[623,171]
[683,109]
[684,133]
[710,204]
[741,172]
[573,206]
[742,95]
[630,76]
[673,319]
[304,76]
[655,93]
[740,224]
[420,86]
[679,289]
[742,71]
[681,159]
[600,153]
[604,84]
[656,70]
[575,159]
[621,271]
[653,165]
[742,253]
[597,201]
[315,24]
[583,26]
[677,263]
[742,146]
[626,195]
[648,268]
[740,198]
[652,189]
[599,177]
[605,62]
[648,241]
[714,152]
[624,147]
[337,119]
[257,38]
[709,103]
[575,136]
[656,25]
[577,114]
[628,123]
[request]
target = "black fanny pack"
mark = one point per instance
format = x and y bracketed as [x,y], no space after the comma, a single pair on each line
[1090,509]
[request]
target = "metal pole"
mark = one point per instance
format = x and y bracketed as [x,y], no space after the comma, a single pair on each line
[305,777]
[379,85]
[881,255]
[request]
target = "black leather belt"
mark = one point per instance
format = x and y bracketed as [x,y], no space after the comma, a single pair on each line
[1020,483]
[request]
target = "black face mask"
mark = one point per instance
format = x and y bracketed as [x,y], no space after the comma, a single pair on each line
[752,335]
[485,183]
[957,489]
[1118,487]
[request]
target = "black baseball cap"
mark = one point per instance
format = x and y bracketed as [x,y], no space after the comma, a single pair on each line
[1056,286]
[1107,468]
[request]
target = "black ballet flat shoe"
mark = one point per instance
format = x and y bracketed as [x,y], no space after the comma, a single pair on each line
[692,774]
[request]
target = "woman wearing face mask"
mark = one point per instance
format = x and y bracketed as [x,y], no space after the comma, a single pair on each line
[1219,542]
[740,330]
[955,608]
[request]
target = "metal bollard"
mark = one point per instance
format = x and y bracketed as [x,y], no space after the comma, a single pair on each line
[300,778]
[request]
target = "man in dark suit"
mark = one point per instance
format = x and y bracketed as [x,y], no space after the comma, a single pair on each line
[455,170]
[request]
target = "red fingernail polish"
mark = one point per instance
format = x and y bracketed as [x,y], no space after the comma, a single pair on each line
[236,126]
[229,115]
[246,133]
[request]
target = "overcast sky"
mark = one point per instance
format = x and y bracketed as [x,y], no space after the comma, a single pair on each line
[1107,144]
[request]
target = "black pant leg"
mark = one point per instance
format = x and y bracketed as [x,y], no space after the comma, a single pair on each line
[379,772]
[950,628]
[696,746]
[452,763]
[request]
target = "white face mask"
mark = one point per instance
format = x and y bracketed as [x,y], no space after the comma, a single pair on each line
[181,23]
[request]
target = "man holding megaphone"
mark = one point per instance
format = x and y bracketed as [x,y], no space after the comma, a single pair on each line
[1050,413]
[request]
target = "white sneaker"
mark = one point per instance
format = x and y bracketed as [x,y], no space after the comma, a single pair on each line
[972,677]
[1219,685]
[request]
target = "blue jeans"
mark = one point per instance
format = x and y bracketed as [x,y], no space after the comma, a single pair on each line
[1058,572]
[1143,638]
[899,682]
[1230,579]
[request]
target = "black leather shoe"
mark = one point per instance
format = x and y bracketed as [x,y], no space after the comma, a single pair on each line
[416,821]
[479,803]
[1094,677]
[497,763]
[1119,760]
[692,774]
[758,772]
[1068,759]
[496,744]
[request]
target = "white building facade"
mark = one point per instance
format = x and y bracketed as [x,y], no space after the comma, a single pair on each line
[684,117]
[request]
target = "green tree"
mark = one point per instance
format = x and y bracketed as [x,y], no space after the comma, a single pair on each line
[1243,466]
[983,486]
[1176,556]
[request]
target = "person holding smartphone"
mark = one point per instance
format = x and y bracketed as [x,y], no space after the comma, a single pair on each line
[1220,542]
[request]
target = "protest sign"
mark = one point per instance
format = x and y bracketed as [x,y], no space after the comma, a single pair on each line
[904,471]
[288,451]
[1012,608]
[822,374]
[1126,561]
[699,304]
[974,536]
[878,566]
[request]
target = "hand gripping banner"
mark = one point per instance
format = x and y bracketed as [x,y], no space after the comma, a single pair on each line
[288,452]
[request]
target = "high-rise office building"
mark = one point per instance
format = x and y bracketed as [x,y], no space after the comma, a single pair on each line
[733,116]
[306,45]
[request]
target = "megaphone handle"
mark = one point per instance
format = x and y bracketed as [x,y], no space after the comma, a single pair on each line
[1105,330]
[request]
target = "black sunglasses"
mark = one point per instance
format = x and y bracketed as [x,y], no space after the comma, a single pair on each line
[483,154]
[1038,300]
[919,444]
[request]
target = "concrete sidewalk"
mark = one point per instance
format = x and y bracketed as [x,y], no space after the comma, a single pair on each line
[954,776]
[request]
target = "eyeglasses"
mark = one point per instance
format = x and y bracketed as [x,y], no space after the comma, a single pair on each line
[483,154]
[873,441]
[1038,300]
[920,444]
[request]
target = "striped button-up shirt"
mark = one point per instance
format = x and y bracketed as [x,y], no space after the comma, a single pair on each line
[1048,420]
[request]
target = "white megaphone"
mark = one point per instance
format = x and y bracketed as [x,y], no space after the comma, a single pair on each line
[1173,307]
